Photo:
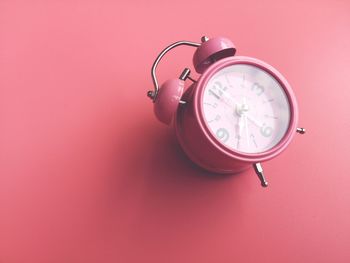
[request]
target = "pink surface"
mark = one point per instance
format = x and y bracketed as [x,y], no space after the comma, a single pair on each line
[87,173]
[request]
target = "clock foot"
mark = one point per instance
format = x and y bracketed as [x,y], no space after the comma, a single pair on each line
[301,130]
[260,173]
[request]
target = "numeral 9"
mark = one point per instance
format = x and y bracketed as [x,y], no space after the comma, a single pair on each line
[222,134]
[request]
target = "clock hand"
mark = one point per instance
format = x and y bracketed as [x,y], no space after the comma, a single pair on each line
[253,120]
[229,98]
[240,126]
[246,124]
[227,101]
[246,129]
[242,121]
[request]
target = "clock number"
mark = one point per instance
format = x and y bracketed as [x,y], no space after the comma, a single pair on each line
[222,134]
[266,131]
[258,89]
[217,90]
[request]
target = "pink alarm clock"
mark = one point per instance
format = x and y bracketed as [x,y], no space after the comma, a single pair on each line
[239,113]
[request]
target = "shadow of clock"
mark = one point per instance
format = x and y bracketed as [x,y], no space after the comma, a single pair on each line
[159,157]
[167,188]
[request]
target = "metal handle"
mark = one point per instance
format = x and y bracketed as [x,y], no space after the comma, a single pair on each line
[153,94]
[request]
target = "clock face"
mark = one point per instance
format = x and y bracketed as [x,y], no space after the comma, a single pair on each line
[246,108]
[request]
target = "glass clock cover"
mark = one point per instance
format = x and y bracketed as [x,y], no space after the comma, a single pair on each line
[246,108]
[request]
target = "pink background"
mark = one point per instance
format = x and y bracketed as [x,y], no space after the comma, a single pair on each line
[87,174]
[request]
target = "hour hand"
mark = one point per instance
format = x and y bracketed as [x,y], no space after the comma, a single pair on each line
[253,120]
[222,97]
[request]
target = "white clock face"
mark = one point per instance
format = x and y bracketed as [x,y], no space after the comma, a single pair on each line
[246,108]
